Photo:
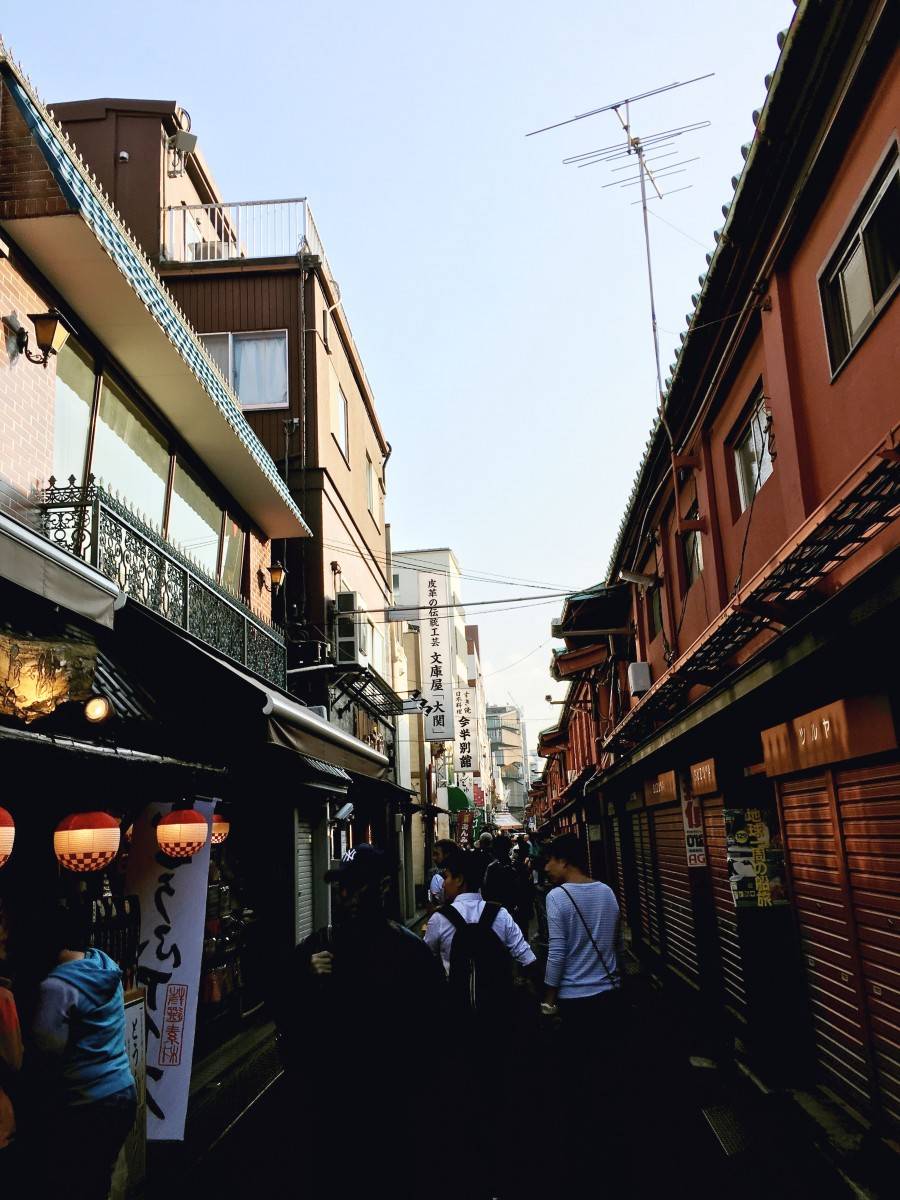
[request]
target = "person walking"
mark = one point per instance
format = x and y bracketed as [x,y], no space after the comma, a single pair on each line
[583,985]
[87,1095]
[499,882]
[484,855]
[442,849]
[356,1008]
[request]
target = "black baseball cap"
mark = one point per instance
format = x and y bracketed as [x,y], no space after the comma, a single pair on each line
[360,865]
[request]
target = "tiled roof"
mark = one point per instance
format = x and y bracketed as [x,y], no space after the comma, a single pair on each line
[85,196]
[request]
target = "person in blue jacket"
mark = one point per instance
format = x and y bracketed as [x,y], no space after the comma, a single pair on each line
[88,1095]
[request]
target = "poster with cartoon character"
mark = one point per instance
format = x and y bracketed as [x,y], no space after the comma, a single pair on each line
[755,856]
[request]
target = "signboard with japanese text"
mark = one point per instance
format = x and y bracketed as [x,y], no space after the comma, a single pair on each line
[755,858]
[466,749]
[661,789]
[436,652]
[852,728]
[694,844]
[131,1166]
[464,822]
[478,795]
[704,781]
[172,893]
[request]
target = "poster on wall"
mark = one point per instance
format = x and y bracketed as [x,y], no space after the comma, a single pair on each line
[436,653]
[172,893]
[694,844]
[755,856]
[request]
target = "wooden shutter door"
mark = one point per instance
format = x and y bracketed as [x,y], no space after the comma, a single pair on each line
[869,806]
[675,890]
[723,903]
[303,879]
[827,934]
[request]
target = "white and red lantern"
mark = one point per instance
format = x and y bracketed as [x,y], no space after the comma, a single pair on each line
[182,833]
[220,829]
[86,841]
[7,836]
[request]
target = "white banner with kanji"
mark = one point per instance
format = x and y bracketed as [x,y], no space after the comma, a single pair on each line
[436,650]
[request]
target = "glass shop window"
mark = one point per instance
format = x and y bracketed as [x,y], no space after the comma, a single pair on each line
[195,520]
[130,457]
[72,411]
[233,557]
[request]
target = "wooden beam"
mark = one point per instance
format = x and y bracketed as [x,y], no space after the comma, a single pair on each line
[687,462]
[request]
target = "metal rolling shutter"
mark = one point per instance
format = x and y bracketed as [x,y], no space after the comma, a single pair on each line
[646,876]
[826,928]
[723,903]
[675,889]
[869,806]
[619,875]
[303,879]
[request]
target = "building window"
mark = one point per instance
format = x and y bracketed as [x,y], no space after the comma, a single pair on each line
[396,580]
[752,456]
[232,576]
[72,413]
[195,520]
[341,422]
[130,457]
[370,485]
[693,548]
[860,278]
[255,364]
[654,611]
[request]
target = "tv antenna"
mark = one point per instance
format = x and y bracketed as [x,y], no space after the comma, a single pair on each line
[646,151]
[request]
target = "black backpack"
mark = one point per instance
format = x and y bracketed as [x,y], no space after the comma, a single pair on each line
[501,885]
[480,965]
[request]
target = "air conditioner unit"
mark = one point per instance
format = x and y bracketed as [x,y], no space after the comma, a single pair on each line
[639,678]
[350,633]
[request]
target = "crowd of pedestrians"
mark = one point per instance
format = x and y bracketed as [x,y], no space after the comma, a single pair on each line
[461,1009]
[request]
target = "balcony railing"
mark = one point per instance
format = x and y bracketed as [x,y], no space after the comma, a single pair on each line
[197,233]
[91,524]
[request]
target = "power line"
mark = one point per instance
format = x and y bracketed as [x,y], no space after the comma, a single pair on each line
[509,666]
[426,608]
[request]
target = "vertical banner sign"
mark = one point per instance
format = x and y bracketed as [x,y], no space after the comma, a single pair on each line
[464,822]
[172,893]
[466,755]
[755,859]
[694,845]
[436,651]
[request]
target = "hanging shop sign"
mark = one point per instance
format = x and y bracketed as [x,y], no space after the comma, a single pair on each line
[436,653]
[464,824]
[466,750]
[694,842]
[134,1152]
[172,894]
[755,856]
[845,729]
[703,778]
[478,795]
[39,674]
[661,789]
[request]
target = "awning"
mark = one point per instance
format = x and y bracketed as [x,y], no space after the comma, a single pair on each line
[324,775]
[381,791]
[35,564]
[505,820]
[595,613]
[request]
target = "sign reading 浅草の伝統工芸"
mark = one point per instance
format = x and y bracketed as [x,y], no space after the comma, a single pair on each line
[172,893]
[436,650]
[466,755]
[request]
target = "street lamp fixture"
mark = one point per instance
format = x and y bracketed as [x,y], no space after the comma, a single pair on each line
[277,573]
[50,333]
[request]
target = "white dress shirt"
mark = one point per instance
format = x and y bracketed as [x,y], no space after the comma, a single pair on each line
[439,932]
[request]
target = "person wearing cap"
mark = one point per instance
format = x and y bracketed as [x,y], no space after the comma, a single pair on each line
[364,999]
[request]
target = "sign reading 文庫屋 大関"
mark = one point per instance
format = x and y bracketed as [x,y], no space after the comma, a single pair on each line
[436,652]
[755,858]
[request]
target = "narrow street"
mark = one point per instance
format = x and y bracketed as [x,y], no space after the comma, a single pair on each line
[670,1147]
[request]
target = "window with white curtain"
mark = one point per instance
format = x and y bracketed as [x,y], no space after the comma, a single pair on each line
[255,364]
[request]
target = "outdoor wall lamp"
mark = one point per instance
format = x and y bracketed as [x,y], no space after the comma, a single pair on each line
[277,574]
[97,710]
[50,333]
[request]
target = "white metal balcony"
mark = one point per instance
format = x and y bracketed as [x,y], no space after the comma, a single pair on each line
[199,233]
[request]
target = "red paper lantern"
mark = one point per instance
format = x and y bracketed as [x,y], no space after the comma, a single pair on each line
[86,841]
[182,833]
[7,836]
[220,829]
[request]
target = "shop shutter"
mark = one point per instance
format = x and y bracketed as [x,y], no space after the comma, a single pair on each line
[675,891]
[619,872]
[723,904]
[826,929]
[646,876]
[869,806]
[303,879]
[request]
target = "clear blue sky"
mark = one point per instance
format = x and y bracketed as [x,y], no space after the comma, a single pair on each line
[499,299]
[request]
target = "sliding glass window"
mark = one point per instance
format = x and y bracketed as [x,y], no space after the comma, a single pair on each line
[233,557]
[72,414]
[195,520]
[130,457]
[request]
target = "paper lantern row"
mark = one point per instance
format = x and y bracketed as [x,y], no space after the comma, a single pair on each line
[90,841]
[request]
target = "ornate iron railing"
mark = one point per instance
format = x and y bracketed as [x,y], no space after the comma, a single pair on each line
[95,526]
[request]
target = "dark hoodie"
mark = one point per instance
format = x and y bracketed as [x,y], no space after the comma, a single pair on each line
[80,1023]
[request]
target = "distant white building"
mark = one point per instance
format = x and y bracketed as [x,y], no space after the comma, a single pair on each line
[506,729]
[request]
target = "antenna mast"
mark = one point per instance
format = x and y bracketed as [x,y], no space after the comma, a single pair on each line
[637,147]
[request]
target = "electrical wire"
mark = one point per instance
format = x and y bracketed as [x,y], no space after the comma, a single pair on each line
[513,601]
[509,666]
[690,237]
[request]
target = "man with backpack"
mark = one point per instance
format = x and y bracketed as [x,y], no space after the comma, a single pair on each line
[500,883]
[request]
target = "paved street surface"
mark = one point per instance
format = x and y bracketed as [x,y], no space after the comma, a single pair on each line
[667,1146]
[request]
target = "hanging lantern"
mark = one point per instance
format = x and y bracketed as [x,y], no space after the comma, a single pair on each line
[182,833]
[220,829]
[7,836]
[87,841]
